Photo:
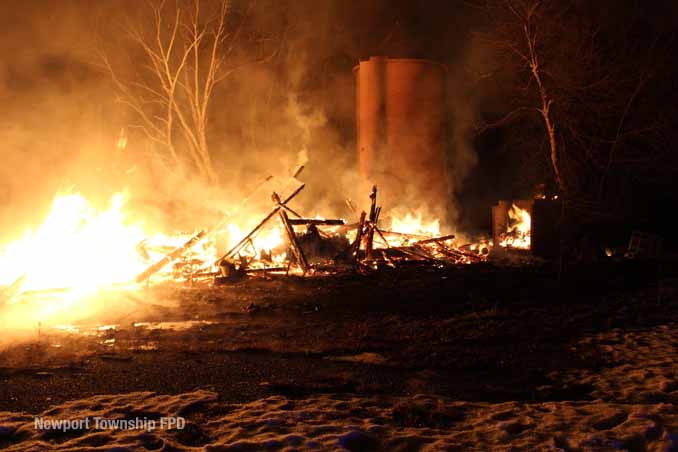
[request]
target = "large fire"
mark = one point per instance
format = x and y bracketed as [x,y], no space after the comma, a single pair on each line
[80,249]
[267,245]
[77,247]
[414,223]
[408,226]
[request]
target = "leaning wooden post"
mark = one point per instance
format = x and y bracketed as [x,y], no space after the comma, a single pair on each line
[373,206]
[381,234]
[374,215]
[355,246]
[259,226]
[443,238]
[291,211]
[369,241]
[248,237]
[296,249]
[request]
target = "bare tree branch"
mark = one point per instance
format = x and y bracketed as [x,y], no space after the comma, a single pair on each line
[184,55]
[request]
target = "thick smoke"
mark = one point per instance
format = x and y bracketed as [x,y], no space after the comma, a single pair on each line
[61,121]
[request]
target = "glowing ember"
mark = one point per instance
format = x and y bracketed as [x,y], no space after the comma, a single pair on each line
[519,229]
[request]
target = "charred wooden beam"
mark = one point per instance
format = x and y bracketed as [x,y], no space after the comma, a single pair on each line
[317,222]
[443,238]
[374,216]
[294,193]
[296,249]
[369,247]
[298,171]
[247,270]
[204,275]
[373,206]
[456,254]
[296,214]
[153,269]
[355,247]
[369,242]
[381,235]
[416,252]
[242,242]
[266,269]
[405,234]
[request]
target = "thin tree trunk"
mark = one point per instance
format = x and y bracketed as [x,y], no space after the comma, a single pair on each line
[545,109]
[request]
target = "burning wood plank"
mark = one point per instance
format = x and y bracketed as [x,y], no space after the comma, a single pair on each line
[381,235]
[418,253]
[372,224]
[153,269]
[443,238]
[406,235]
[316,221]
[355,248]
[261,224]
[458,255]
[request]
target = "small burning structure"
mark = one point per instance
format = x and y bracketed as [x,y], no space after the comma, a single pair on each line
[512,224]
[331,245]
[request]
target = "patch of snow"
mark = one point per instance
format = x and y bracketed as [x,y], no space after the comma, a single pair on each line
[423,423]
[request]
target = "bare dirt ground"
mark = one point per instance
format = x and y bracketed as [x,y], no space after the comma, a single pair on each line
[470,358]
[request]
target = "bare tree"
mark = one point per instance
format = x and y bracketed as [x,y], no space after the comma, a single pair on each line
[532,59]
[581,77]
[183,52]
[520,37]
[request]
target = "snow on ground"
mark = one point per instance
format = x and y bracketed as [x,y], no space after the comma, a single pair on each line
[635,409]
[644,370]
[423,423]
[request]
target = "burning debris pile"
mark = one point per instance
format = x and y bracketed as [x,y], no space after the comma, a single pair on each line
[331,245]
[84,250]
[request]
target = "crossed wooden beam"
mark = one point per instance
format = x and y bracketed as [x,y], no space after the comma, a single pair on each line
[281,209]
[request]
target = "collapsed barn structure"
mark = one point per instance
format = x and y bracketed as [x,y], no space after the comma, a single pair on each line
[316,245]
[400,124]
[400,147]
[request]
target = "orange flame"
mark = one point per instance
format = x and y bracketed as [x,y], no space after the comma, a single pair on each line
[76,246]
[518,233]
[81,248]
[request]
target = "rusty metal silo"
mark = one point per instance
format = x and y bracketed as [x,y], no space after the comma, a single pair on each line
[400,114]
